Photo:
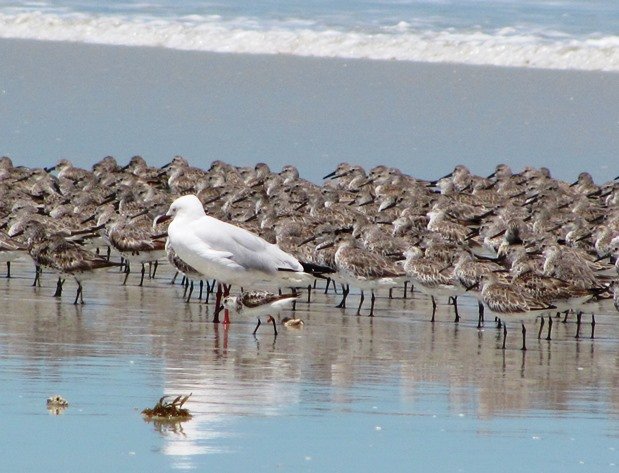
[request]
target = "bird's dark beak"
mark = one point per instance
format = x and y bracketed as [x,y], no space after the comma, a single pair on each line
[435,182]
[89,219]
[159,219]
[49,169]
[139,214]
[327,245]
[308,240]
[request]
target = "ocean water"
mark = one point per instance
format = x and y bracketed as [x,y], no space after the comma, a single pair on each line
[344,394]
[558,34]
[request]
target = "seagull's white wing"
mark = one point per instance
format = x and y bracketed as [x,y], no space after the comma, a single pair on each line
[245,248]
[196,250]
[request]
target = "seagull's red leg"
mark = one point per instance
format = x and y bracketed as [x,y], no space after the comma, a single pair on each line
[217,303]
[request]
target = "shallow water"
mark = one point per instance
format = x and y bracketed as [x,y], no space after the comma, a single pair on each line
[345,393]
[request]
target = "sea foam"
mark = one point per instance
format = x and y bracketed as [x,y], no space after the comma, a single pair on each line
[504,47]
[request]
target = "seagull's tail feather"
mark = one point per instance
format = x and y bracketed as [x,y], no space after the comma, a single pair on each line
[316,269]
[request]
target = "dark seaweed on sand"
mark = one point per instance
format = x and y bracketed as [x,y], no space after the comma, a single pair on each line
[169,410]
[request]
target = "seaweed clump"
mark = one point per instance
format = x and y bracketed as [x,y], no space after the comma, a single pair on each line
[168,410]
[56,404]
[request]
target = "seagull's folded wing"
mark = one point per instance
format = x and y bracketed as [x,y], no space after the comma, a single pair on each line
[245,248]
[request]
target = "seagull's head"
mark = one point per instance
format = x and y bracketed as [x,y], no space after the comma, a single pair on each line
[188,207]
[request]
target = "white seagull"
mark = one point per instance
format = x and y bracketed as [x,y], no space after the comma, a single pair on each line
[228,253]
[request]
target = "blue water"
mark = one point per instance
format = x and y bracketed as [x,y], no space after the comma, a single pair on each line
[345,394]
[570,17]
[565,34]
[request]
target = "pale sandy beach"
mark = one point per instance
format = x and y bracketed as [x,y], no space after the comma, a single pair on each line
[83,102]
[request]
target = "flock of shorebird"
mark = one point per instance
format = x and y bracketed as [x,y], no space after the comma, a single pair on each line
[525,245]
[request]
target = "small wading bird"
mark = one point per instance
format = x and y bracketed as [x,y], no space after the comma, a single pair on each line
[508,302]
[257,303]
[62,256]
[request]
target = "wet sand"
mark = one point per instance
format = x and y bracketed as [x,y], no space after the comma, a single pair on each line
[83,102]
[345,393]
